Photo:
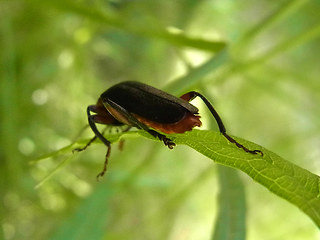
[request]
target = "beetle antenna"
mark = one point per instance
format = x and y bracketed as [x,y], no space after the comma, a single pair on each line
[221,126]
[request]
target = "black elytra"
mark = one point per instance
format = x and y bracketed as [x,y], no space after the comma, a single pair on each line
[148,102]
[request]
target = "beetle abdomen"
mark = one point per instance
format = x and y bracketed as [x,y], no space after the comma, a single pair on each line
[187,123]
[149,103]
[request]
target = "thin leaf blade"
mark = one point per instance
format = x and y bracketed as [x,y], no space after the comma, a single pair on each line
[285,179]
[231,218]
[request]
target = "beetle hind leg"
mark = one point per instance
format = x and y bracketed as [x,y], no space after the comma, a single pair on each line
[191,95]
[241,146]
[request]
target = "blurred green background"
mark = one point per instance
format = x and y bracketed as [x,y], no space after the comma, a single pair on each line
[57,57]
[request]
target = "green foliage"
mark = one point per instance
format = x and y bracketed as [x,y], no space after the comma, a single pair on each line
[256,61]
[281,177]
[231,223]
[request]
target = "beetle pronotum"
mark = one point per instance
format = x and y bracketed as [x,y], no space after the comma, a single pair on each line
[139,105]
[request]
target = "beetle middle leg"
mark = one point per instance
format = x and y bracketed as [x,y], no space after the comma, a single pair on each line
[191,95]
[167,141]
[133,121]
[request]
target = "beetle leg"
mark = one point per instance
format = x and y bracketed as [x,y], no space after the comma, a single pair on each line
[105,166]
[91,140]
[133,121]
[121,142]
[85,147]
[167,141]
[93,126]
[191,95]
[241,146]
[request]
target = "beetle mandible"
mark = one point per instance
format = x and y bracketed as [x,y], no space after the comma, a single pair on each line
[139,105]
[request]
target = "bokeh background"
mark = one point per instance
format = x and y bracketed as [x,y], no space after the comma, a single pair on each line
[261,71]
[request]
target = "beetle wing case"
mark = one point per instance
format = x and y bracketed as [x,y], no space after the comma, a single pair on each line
[149,102]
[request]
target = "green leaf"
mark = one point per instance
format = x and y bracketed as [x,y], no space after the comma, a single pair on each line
[80,143]
[131,26]
[69,150]
[286,9]
[285,179]
[89,219]
[185,82]
[231,218]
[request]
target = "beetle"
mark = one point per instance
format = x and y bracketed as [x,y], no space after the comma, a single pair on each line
[139,105]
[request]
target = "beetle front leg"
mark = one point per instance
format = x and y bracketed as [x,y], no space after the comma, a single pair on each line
[93,126]
[85,147]
[105,166]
